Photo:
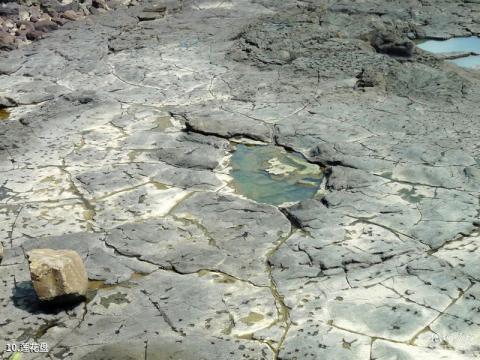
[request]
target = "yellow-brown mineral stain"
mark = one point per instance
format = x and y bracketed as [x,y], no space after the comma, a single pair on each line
[88,214]
[163,123]
[252,318]
[4,114]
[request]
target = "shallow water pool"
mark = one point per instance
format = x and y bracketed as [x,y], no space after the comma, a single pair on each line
[470,44]
[459,44]
[271,175]
[471,62]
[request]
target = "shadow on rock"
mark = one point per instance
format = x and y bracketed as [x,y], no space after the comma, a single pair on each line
[25,298]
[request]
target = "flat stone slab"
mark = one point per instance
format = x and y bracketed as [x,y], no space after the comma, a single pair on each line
[118,145]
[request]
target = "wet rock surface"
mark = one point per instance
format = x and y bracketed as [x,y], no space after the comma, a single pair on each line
[118,146]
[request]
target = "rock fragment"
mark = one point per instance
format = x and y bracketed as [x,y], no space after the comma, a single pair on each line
[152,13]
[6,41]
[391,44]
[102,4]
[71,15]
[8,9]
[57,275]
[34,35]
[369,78]
[45,26]
[6,102]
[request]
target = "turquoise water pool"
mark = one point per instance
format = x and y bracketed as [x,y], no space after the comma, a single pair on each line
[471,62]
[271,175]
[461,44]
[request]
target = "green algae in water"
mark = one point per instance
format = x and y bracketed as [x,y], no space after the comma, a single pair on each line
[269,174]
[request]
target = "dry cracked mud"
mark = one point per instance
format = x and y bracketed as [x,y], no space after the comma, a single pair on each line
[116,139]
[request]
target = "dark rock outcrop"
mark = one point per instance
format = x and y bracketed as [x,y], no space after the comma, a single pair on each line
[391,44]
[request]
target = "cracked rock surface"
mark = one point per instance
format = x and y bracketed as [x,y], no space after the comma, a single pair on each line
[115,141]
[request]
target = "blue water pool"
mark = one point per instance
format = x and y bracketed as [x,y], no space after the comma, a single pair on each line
[470,44]
[460,44]
[471,62]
